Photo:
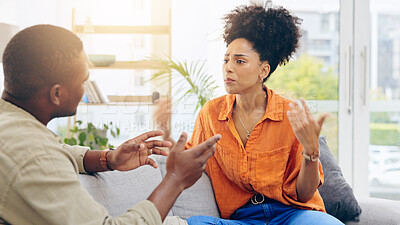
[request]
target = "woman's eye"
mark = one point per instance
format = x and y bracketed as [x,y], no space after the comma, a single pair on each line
[240,61]
[225,61]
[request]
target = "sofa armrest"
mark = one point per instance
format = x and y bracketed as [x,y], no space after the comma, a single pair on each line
[377,211]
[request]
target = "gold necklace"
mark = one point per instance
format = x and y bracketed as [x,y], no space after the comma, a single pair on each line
[247,131]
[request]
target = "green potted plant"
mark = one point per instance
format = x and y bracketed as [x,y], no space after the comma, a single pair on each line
[189,78]
[91,136]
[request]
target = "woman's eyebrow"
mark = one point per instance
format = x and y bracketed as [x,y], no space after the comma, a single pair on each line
[238,55]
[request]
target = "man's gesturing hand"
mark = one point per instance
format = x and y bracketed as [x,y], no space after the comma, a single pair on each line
[134,152]
[186,167]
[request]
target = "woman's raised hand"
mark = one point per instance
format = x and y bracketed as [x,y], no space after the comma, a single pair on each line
[305,127]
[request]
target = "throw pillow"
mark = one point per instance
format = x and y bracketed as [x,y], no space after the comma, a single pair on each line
[337,194]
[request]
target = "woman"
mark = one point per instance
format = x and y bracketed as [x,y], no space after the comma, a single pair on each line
[265,168]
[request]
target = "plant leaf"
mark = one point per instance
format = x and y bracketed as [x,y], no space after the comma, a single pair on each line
[188,78]
[70,141]
[82,138]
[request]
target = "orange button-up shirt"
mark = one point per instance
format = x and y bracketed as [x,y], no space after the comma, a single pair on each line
[269,164]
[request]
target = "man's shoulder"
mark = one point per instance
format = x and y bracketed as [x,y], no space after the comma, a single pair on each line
[16,128]
[14,118]
[23,137]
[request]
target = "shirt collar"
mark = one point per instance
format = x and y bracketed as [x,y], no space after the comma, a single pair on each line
[273,112]
[10,107]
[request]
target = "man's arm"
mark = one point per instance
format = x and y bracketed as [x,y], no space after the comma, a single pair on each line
[184,168]
[128,156]
[47,190]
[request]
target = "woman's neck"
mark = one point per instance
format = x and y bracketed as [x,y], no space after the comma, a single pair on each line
[252,101]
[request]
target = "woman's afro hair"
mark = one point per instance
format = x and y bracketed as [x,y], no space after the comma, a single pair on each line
[274,32]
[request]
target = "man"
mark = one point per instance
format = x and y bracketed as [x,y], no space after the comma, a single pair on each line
[45,68]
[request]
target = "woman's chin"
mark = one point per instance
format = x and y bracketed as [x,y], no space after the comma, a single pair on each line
[229,90]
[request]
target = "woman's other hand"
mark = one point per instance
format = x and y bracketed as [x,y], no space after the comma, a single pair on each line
[305,127]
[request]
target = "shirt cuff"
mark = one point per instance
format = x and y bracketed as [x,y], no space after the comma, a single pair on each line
[148,211]
[77,152]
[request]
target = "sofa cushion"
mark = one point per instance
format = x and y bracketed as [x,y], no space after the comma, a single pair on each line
[378,211]
[337,194]
[119,191]
[197,200]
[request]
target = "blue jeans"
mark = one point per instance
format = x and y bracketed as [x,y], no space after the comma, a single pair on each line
[272,213]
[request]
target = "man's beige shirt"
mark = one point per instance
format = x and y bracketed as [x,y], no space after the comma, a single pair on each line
[39,181]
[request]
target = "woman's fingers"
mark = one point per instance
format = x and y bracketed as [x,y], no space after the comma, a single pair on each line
[305,107]
[322,119]
[297,117]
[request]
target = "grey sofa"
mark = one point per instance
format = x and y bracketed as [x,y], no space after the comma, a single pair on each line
[118,191]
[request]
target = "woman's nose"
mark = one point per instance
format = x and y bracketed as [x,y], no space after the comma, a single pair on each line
[228,67]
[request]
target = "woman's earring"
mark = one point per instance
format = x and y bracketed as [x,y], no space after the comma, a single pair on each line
[261,80]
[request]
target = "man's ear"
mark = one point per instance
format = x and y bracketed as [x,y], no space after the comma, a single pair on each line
[56,93]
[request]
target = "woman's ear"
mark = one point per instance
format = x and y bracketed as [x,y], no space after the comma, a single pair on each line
[56,93]
[265,69]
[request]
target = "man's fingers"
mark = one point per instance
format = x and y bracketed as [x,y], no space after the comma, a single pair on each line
[130,147]
[207,154]
[158,143]
[210,151]
[180,144]
[203,147]
[158,151]
[135,146]
[151,162]
[143,156]
[147,135]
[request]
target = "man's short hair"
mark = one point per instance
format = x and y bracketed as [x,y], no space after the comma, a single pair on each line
[39,57]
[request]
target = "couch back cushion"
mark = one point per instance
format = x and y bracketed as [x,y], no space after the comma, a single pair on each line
[337,194]
[197,200]
[119,191]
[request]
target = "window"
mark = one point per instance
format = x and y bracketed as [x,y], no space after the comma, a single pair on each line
[313,73]
[385,99]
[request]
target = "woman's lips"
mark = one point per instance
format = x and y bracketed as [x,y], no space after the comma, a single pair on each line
[228,80]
